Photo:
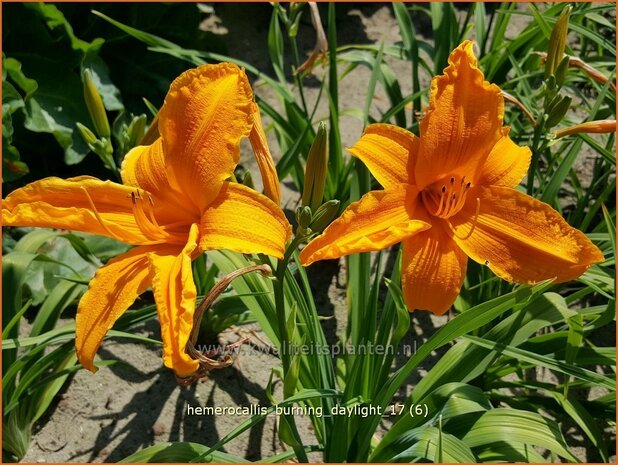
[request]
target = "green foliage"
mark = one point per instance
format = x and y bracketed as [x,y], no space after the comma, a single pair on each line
[49,270]
[506,376]
[52,93]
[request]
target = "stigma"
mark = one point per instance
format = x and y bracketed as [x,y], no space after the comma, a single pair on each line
[447,196]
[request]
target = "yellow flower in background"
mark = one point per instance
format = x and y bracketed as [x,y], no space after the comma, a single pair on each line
[450,194]
[174,203]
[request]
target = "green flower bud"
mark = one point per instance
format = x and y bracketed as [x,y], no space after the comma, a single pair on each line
[303,217]
[87,134]
[557,112]
[325,215]
[557,42]
[550,104]
[135,131]
[316,169]
[561,71]
[95,105]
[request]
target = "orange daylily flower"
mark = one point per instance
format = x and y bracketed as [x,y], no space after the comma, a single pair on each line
[174,203]
[449,195]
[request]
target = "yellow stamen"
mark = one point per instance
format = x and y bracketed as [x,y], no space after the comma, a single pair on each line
[145,221]
[98,216]
[448,199]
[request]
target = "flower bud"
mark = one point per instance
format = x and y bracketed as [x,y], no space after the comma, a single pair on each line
[87,134]
[561,71]
[550,104]
[557,112]
[509,98]
[95,105]
[324,216]
[135,131]
[594,73]
[589,127]
[557,41]
[316,169]
[303,217]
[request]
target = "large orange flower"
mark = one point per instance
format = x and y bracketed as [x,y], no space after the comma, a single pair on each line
[175,202]
[450,195]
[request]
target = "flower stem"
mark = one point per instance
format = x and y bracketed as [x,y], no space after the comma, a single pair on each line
[279,289]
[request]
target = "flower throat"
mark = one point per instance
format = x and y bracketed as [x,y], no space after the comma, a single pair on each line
[446,197]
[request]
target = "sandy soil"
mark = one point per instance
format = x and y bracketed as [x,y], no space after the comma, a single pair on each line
[120,410]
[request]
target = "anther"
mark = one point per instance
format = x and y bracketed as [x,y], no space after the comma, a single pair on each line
[145,218]
[446,199]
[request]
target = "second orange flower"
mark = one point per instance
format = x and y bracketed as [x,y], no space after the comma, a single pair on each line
[450,194]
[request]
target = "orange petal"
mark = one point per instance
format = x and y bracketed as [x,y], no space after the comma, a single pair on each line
[175,295]
[433,270]
[463,121]
[245,221]
[264,159]
[520,238]
[206,113]
[507,163]
[68,204]
[144,167]
[378,220]
[113,290]
[389,152]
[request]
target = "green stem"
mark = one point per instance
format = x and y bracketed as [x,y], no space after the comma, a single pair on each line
[537,148]
[281,323]
[279,289]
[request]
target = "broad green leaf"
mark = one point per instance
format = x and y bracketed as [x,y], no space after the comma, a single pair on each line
[586,422]
[52,63]
[547,362]
[457,327]
[449,401]
[515,426]
[429,444]
[304,395]
[178,452]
